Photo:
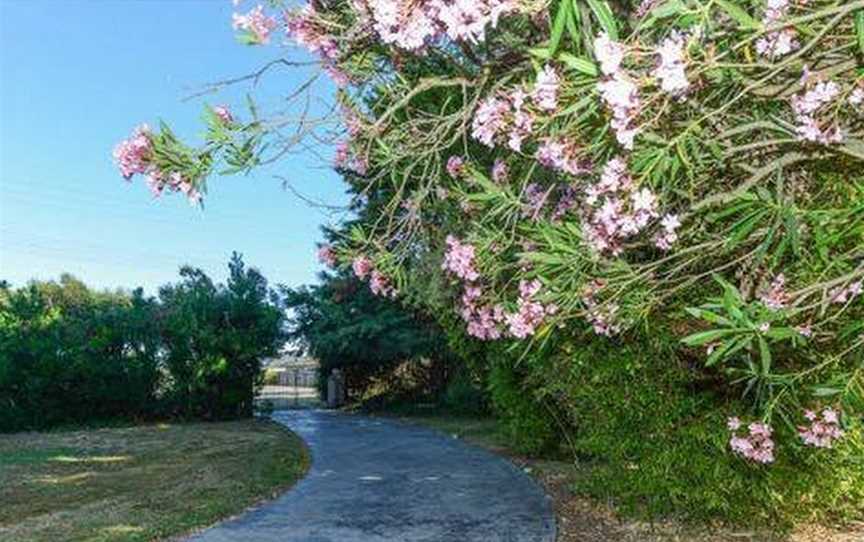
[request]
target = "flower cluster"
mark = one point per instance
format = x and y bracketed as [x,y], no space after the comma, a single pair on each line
[378,282]
[845,294]
[670,71]
[600,316]
[482,321]
[256,24]
[757,445]
[327,255]
[561,155]
[459,260]
[545,93]
[506,114]
[487,322]
[135,156]
[305,28]
[669,233]
[344,158]
[380,285]
[362,266]
[529,313]
[778,43]
[490,120]
[617,209]
[455,166]
[618,91]
[856,97]
[412,25]
[808,105]
[776,297]
[823,430]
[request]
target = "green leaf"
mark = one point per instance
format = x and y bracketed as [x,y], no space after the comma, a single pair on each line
[540,52]
[746,21]
[826,392]
[765,355]
[579,64]
[710,316]
[859,29]
[668,9]
[604,16]
[704,337]
[559,24]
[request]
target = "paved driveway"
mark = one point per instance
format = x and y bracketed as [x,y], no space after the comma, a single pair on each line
[374,480]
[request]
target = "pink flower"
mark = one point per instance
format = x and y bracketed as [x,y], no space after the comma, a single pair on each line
[823,430]
[327,256]
[841,295]
[756,446]
[224,114]
[807,107]
[804,330]
[546,89]
[776,297]
[467,20]
[621,96]
[670,224]
[560,155]
[380,285]
[256,24]
[500,171]
[455,166]
[670,71]
[133,155]
[459,259]
[361,266]
[609,53]
[489,120]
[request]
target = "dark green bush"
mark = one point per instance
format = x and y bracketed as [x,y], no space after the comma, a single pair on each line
[464,396]
[72,355]
[525,421]
[653,432]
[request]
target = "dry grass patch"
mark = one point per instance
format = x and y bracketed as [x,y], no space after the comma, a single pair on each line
[140,483]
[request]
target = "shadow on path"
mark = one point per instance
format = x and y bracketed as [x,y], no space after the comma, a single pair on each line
[376,480]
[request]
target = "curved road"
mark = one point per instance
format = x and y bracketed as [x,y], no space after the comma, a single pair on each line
[374,480]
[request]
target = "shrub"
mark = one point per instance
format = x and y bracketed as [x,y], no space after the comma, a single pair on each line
[686,169]
[464,396]
[72,355]
[271,377]
[525,422]
[653,432]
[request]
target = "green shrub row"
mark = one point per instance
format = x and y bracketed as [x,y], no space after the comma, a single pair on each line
[71,355]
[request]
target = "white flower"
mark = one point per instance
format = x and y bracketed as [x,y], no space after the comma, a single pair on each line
[609,53]
[644,200]
[670,223]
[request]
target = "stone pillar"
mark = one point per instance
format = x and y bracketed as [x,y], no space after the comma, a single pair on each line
[335,389]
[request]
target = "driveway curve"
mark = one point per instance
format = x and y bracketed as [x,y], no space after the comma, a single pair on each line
[375,480]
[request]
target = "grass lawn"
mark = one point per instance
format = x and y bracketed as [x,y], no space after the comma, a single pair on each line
[140,483]
[582,519]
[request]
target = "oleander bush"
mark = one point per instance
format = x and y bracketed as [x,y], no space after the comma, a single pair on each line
[648,216]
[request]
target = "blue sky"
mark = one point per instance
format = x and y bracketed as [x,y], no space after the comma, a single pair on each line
[75,78]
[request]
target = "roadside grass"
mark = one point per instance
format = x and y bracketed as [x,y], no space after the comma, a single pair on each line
[140,483]
[581,518]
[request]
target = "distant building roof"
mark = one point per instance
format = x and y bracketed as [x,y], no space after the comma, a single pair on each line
[287,361]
